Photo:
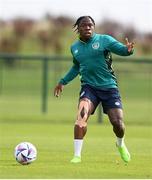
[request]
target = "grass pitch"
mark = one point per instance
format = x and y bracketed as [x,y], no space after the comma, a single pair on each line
[54,143]
[21,120]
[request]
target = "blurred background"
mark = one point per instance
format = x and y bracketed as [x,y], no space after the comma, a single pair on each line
[45,26]
[40,32]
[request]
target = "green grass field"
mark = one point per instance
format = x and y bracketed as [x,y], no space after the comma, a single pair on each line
[21,120]
[54,143]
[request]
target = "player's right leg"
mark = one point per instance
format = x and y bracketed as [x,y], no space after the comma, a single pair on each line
[84,110]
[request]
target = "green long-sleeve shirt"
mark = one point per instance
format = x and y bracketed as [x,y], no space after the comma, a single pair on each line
[92,61]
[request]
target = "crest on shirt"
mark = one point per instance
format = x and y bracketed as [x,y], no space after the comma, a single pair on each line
[95,45]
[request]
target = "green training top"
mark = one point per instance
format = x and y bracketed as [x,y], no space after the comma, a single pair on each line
[92,60]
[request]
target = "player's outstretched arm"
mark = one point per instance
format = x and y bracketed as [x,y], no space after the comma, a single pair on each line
[58,89]
[130,45]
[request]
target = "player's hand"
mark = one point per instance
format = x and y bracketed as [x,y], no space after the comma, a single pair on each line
[58,89]
[130,45]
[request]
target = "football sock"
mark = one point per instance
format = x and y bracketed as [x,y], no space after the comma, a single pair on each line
[78,147]
[120,141]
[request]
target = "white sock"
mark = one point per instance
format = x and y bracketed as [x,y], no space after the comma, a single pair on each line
[78,147]
[120,141]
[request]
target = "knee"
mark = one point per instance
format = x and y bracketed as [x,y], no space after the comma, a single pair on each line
[81,124]
[83,112]
[82,118]
[117,122]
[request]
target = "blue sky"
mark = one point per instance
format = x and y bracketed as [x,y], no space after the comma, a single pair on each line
[134,12]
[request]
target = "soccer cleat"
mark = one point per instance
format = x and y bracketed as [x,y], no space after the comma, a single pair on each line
[124,153]
[76,159]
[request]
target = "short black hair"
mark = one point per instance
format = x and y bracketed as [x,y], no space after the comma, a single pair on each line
[79,20]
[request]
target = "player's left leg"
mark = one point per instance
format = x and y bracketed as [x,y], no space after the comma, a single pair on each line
[116,118]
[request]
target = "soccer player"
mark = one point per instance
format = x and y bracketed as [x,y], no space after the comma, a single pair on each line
[92,60]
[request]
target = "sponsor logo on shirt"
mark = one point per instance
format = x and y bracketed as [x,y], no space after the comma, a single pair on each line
[76,51]
[95,45]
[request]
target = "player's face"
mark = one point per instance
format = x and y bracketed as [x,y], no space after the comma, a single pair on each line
[86,28]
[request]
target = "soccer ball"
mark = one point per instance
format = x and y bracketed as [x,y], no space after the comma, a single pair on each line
[25,153]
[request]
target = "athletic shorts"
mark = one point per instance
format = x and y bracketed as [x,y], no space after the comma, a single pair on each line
[109,98]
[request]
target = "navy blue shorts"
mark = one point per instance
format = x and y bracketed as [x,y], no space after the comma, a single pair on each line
[109,98]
